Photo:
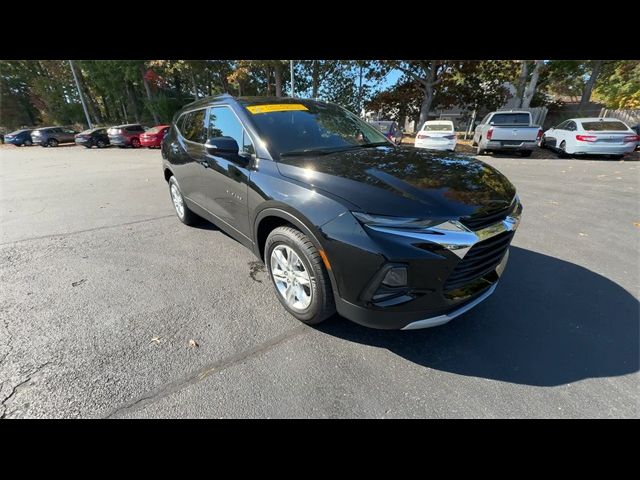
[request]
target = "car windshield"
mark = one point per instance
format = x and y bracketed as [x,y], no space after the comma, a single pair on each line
[294,129]
[438,127]
[601,126]
[511,119]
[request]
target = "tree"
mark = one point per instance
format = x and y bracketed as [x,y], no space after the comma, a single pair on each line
[619,87]
[596,68]
[531,86]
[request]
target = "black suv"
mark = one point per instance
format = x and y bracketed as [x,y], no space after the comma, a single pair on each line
[389,236]
[53,136]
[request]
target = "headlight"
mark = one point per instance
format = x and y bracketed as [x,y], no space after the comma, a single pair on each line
[394,222]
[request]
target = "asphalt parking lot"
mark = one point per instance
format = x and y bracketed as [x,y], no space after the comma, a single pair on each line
[111,307]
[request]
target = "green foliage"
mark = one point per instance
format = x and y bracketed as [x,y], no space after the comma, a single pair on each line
[620,86]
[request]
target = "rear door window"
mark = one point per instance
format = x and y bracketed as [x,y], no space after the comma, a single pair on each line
[193,127]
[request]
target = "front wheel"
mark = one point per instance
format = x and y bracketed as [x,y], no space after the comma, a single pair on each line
[135,143]
[185,215]
[298,274]
[28,143]
[525,153]
[52,142]
[101,144]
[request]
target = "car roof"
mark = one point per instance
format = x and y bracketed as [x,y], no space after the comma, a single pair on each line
[597,119]
[127,125]
[512,111]
[439,121]
[246,101]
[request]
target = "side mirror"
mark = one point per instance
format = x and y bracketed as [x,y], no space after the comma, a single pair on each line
[222,146]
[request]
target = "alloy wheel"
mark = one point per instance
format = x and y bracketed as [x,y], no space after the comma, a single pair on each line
[291,277]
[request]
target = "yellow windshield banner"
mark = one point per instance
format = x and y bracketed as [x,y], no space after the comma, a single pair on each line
[282,107]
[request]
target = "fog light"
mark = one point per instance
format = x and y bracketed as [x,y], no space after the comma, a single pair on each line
[395,277]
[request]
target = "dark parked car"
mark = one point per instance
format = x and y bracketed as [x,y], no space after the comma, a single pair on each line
[126,135]
[390,129]
[19,137]
[95,137]
[637,130]
[53,136]
[390,237]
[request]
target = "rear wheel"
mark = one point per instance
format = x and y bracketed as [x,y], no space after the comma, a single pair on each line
[298,274]
[480,151]
[562,150]
[185,215]
[101,144]
[525,153]
[135,143]
[616,157]
[28,143]
[52,142]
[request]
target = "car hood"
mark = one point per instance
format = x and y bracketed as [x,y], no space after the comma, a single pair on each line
[405,181]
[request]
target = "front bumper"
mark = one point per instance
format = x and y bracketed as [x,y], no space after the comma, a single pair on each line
[441,262]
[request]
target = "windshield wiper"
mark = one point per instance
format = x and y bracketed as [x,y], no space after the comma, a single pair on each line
[327,151]
[314,151]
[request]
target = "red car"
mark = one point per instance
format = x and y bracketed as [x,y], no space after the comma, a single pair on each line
[152,138]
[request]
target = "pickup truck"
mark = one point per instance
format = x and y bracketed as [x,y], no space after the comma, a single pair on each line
[506,130]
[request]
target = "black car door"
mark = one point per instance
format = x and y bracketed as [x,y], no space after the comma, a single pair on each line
[186,152]
[225,176]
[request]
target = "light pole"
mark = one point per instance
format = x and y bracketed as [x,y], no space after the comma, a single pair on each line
[293,86]
[84,106]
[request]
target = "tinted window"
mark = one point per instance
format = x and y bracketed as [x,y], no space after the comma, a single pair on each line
[511,119]
[224,123]
[571,126]
[600,126]
[193,127]
[485,119]
[562,125]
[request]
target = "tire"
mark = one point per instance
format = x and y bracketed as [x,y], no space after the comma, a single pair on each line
[480,151]
[562,152]
[616,157]
[321,304]
[52,142]
[135,143]
[100,144]
[525,153]
[28,143]
[183,213]
[88,146]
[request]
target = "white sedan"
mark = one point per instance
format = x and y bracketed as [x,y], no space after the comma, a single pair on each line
[590,136]
[437,135]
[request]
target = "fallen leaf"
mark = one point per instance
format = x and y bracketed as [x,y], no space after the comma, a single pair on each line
[583,234]
[193,344]
[553,202]
[156,339]
[637,224]
[79,282]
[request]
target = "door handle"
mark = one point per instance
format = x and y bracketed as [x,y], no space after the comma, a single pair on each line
[204,163]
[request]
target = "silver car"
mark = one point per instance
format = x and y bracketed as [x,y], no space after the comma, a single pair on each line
[591,136]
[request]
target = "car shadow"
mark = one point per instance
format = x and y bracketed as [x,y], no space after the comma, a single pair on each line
[549,322]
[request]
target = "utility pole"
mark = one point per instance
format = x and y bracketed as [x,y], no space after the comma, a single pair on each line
[293,85]
[84,105]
